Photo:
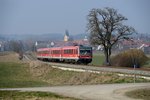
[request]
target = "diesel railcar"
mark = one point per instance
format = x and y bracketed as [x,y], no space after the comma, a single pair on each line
[70,54]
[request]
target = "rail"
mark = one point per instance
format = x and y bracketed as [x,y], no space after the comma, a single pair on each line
[89,68]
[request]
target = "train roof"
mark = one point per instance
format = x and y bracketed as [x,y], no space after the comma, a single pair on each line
[43,49]
[65,47]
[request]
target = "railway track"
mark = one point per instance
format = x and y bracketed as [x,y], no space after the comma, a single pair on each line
[29,56]
[101,69]
[94,69]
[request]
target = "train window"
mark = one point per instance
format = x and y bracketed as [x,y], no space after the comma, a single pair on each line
[53,51]
[68,51]
[71,51]
[56,52]
[65,51]
[76,51]
[43,52]
[85,52]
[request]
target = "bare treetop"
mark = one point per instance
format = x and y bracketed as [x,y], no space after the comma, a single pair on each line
[106,27]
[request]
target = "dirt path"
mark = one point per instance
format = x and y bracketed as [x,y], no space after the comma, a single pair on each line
[91,92]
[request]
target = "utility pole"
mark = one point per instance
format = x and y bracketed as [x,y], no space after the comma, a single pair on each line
[134,69]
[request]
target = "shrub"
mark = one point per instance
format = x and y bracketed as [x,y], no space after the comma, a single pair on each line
[130,58]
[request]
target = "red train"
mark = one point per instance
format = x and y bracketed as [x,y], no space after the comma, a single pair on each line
[71,54]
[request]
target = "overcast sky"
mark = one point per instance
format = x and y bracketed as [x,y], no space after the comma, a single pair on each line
[55,16]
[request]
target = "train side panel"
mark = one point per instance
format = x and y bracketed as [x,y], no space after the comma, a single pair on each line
[70,53]
[43,53]
[56,54]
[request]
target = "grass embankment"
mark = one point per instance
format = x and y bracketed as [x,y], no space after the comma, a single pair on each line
[17,75]
[9,57]
[143,94]
[21,74]
[55,76]
[17,95]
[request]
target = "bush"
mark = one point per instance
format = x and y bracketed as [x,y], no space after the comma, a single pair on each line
[130,58]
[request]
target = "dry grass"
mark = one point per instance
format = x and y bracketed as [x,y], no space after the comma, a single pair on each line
[17,95]
[9,57]
[143,94]
[55,76]
[38,69]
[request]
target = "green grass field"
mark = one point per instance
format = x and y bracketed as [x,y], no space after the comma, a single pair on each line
[98,60]
[16,95]
[17,75]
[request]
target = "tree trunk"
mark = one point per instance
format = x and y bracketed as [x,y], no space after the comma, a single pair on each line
[107,52]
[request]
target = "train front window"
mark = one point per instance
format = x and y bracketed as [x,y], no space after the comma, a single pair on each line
[85,52]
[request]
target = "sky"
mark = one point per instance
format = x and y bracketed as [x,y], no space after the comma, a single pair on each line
[56,16]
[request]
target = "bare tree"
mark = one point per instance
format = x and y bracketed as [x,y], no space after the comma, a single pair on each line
[106,28]
[17,46]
